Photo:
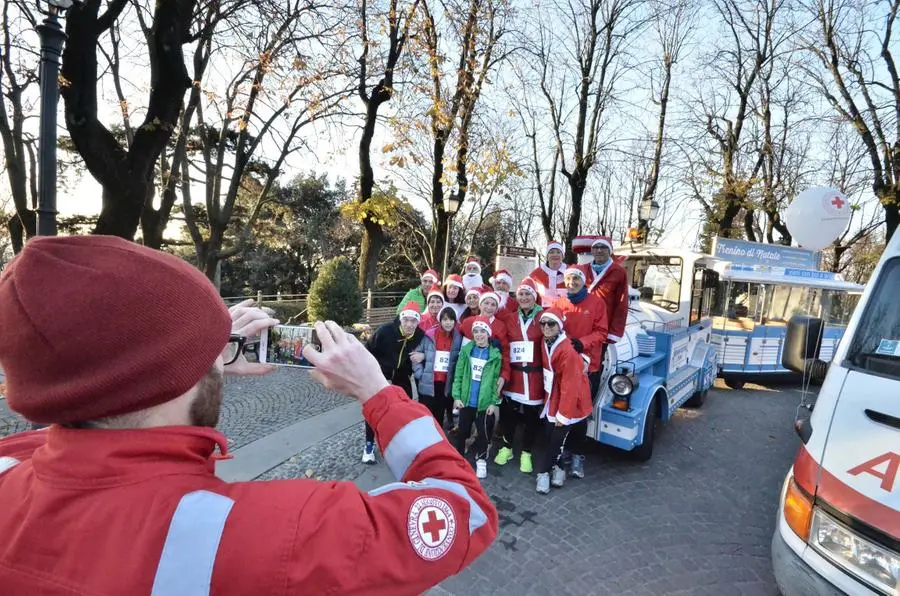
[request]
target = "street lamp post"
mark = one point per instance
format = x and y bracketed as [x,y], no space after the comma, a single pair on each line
[451,206]
[647,212]
[52,39]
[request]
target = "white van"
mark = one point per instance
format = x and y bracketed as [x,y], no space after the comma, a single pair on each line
[838,526]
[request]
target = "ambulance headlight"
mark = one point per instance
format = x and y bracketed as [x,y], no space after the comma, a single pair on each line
[621,385]
[870,562]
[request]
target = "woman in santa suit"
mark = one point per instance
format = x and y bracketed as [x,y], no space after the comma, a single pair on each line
[454,294]
[568,399]
[473,297]
[549,277]
[523,396]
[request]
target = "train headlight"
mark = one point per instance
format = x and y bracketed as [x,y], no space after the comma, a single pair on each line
[621,385]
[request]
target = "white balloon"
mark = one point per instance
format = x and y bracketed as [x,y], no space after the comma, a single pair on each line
[817,217]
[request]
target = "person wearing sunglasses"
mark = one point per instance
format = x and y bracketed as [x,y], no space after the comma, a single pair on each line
[119,494]
[568,400]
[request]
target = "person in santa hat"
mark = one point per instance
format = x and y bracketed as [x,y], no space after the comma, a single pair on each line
[475,392]
[586,328]
[434,304]
[567,399]
[472,274]
[473,297]
[454,294]
[549,278]
[417,295]
[502,282]
[439,351]
[523,396]
[392,345]
[489,305]
[608,280]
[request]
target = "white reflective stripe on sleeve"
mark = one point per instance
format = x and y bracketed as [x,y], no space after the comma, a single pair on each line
[186,565]
[477,517]
[7,463]
[410,441]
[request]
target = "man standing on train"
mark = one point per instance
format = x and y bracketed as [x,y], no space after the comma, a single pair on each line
[608,280]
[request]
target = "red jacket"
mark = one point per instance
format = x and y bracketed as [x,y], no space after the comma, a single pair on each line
[525,382]
[612,287]
[499,332]
[586,322]
[106,512]
[569,395]
[549,289]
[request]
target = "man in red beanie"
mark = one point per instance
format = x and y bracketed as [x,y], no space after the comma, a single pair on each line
[121,349]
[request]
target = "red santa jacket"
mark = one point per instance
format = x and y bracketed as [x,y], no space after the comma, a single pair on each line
[586,322]
[549,289]
[567,390]
[525,382]
[141,511]
[499,331]
[612,287]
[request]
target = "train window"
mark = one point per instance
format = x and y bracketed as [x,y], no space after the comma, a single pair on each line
[657,279]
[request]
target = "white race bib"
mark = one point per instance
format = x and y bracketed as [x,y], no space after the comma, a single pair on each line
[466,341]
[441,361]
[521,352]
[477,368]
[548,382]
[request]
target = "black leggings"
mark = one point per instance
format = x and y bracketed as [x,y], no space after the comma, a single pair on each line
[401,381]
[562,438]
[513,414]
[484,428]
[441,405]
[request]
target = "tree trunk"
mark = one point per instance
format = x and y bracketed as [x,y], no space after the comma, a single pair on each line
[892,215]
[577,184]
[369,253]
[748,225]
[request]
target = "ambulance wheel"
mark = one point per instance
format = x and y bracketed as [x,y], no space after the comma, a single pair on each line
[697,399]
[644,451]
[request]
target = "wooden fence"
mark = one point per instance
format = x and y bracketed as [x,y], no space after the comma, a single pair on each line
[378,307]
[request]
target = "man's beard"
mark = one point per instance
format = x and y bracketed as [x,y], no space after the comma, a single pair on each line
[206,406]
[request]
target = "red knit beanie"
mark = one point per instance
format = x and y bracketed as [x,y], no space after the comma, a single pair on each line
[96,326]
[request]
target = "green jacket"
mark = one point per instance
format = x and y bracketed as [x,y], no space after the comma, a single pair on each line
[462,379]
[414,295]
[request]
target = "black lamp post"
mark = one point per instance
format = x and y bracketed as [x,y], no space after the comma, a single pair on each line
[451,206]
[52,39]
[647,212]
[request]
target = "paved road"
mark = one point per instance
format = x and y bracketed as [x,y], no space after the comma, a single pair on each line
[696,519]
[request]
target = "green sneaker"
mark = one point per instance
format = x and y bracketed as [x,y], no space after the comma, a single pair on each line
[525,463]
[503,456]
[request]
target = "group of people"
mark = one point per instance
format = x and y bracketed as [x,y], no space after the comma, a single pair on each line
[530,358]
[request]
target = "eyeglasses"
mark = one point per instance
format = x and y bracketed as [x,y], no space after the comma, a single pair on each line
[237,345]
[548,323]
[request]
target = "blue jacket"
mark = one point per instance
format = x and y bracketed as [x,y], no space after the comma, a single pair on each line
[424,371]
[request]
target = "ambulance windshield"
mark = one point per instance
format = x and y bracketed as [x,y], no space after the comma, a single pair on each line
[876,345]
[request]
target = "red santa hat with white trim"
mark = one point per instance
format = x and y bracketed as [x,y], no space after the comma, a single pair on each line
[472,261]
[502,274]
[411,310]
[454,280]
[555,245]
[573,270]
[476,290]
[434,291]
[488,293]
[482,322]
[603,241]
[554,314]
[433,275]
[529,286]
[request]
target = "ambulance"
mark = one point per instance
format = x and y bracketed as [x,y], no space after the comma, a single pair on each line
[838,521]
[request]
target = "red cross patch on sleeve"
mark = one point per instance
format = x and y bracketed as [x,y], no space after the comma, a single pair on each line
[431,526]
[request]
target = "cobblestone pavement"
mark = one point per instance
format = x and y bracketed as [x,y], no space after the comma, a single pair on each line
[697,519]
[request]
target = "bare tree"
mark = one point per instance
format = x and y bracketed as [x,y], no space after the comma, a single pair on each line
[579,63]
[859,78]
[398,20]
[17,78]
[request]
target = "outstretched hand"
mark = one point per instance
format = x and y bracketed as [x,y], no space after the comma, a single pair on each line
[343,364]
[248,320]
